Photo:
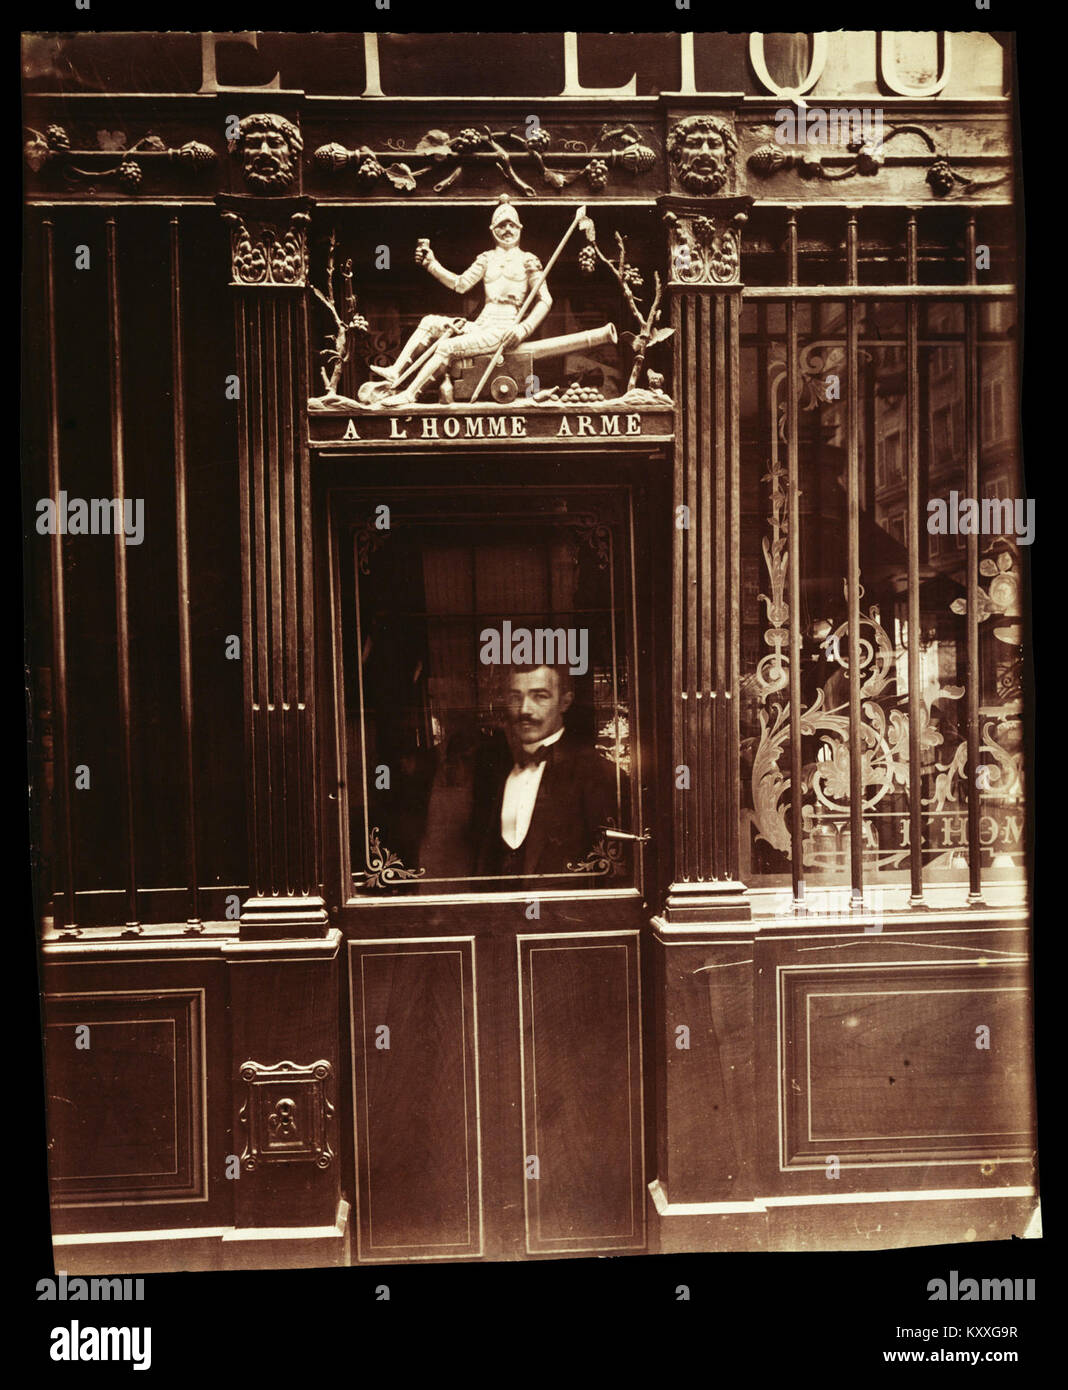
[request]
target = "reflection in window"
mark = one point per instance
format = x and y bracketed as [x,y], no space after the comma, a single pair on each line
[488,697]
[943,781]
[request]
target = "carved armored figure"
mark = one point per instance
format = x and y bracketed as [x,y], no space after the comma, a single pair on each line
[508,275]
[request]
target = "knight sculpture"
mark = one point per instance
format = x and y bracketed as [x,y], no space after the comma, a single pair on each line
[508,276]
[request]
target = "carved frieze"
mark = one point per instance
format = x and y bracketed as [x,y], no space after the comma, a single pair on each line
[286,1114]
[113,164]
[438,160]
[867,157]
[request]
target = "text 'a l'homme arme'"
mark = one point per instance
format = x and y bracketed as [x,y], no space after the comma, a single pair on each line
[500,426]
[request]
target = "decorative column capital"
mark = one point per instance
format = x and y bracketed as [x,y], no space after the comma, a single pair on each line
[268,240]
[704,240]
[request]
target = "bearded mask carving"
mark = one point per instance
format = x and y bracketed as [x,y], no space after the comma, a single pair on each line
[267,146]
[702,150]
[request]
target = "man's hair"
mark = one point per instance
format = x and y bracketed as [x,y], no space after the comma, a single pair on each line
[563,675]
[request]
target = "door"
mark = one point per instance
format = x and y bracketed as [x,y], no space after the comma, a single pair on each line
[488,795]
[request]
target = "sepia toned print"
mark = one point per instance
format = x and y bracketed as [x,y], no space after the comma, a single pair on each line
[527,645]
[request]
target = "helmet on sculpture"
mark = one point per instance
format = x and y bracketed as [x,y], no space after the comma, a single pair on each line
[505,211]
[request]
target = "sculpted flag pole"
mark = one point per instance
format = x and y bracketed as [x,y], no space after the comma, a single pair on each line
[494,361]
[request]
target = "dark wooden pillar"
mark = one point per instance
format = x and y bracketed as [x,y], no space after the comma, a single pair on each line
[704,247]
[703,938]
[284,992]
[269,275]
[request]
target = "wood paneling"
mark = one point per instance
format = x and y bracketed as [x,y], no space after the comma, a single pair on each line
[883,1062]
[704,1092]
[582,1091]
[126,1096]
[416,1101]
[285,1007]
[866,1053]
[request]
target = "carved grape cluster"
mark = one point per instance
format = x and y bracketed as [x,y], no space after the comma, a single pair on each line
[57,138]
[200,156]
[129,175]
[704,230]
[468,139]
[539,139]
[633,277]
[332,156]
[587,259]
[638,158]
[768,160]
[940,177]
[596,173]
[368,171]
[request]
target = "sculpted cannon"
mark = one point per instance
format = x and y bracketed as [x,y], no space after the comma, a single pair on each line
[512,377]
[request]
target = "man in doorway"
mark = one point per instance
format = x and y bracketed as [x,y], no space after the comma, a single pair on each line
[541,803]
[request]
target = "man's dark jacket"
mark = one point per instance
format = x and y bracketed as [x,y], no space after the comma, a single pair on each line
[576,798]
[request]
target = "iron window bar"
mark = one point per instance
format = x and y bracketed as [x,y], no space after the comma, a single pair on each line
[969,295]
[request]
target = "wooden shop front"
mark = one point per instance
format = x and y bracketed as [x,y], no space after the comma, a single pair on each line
[762,957]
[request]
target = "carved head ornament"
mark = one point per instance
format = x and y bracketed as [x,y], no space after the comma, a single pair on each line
[702,150]
[267,145]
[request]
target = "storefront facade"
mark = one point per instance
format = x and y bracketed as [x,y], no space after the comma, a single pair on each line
[302,1006]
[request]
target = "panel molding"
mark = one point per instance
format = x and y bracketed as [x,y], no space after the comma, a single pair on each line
[359,951]
[796,985]
[635,1237]
[191,1138]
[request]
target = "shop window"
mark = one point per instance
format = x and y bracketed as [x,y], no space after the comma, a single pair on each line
[477,631]
[920,781]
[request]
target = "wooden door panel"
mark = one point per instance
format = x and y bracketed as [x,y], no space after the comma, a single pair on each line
[582,1091]
[415,1098]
